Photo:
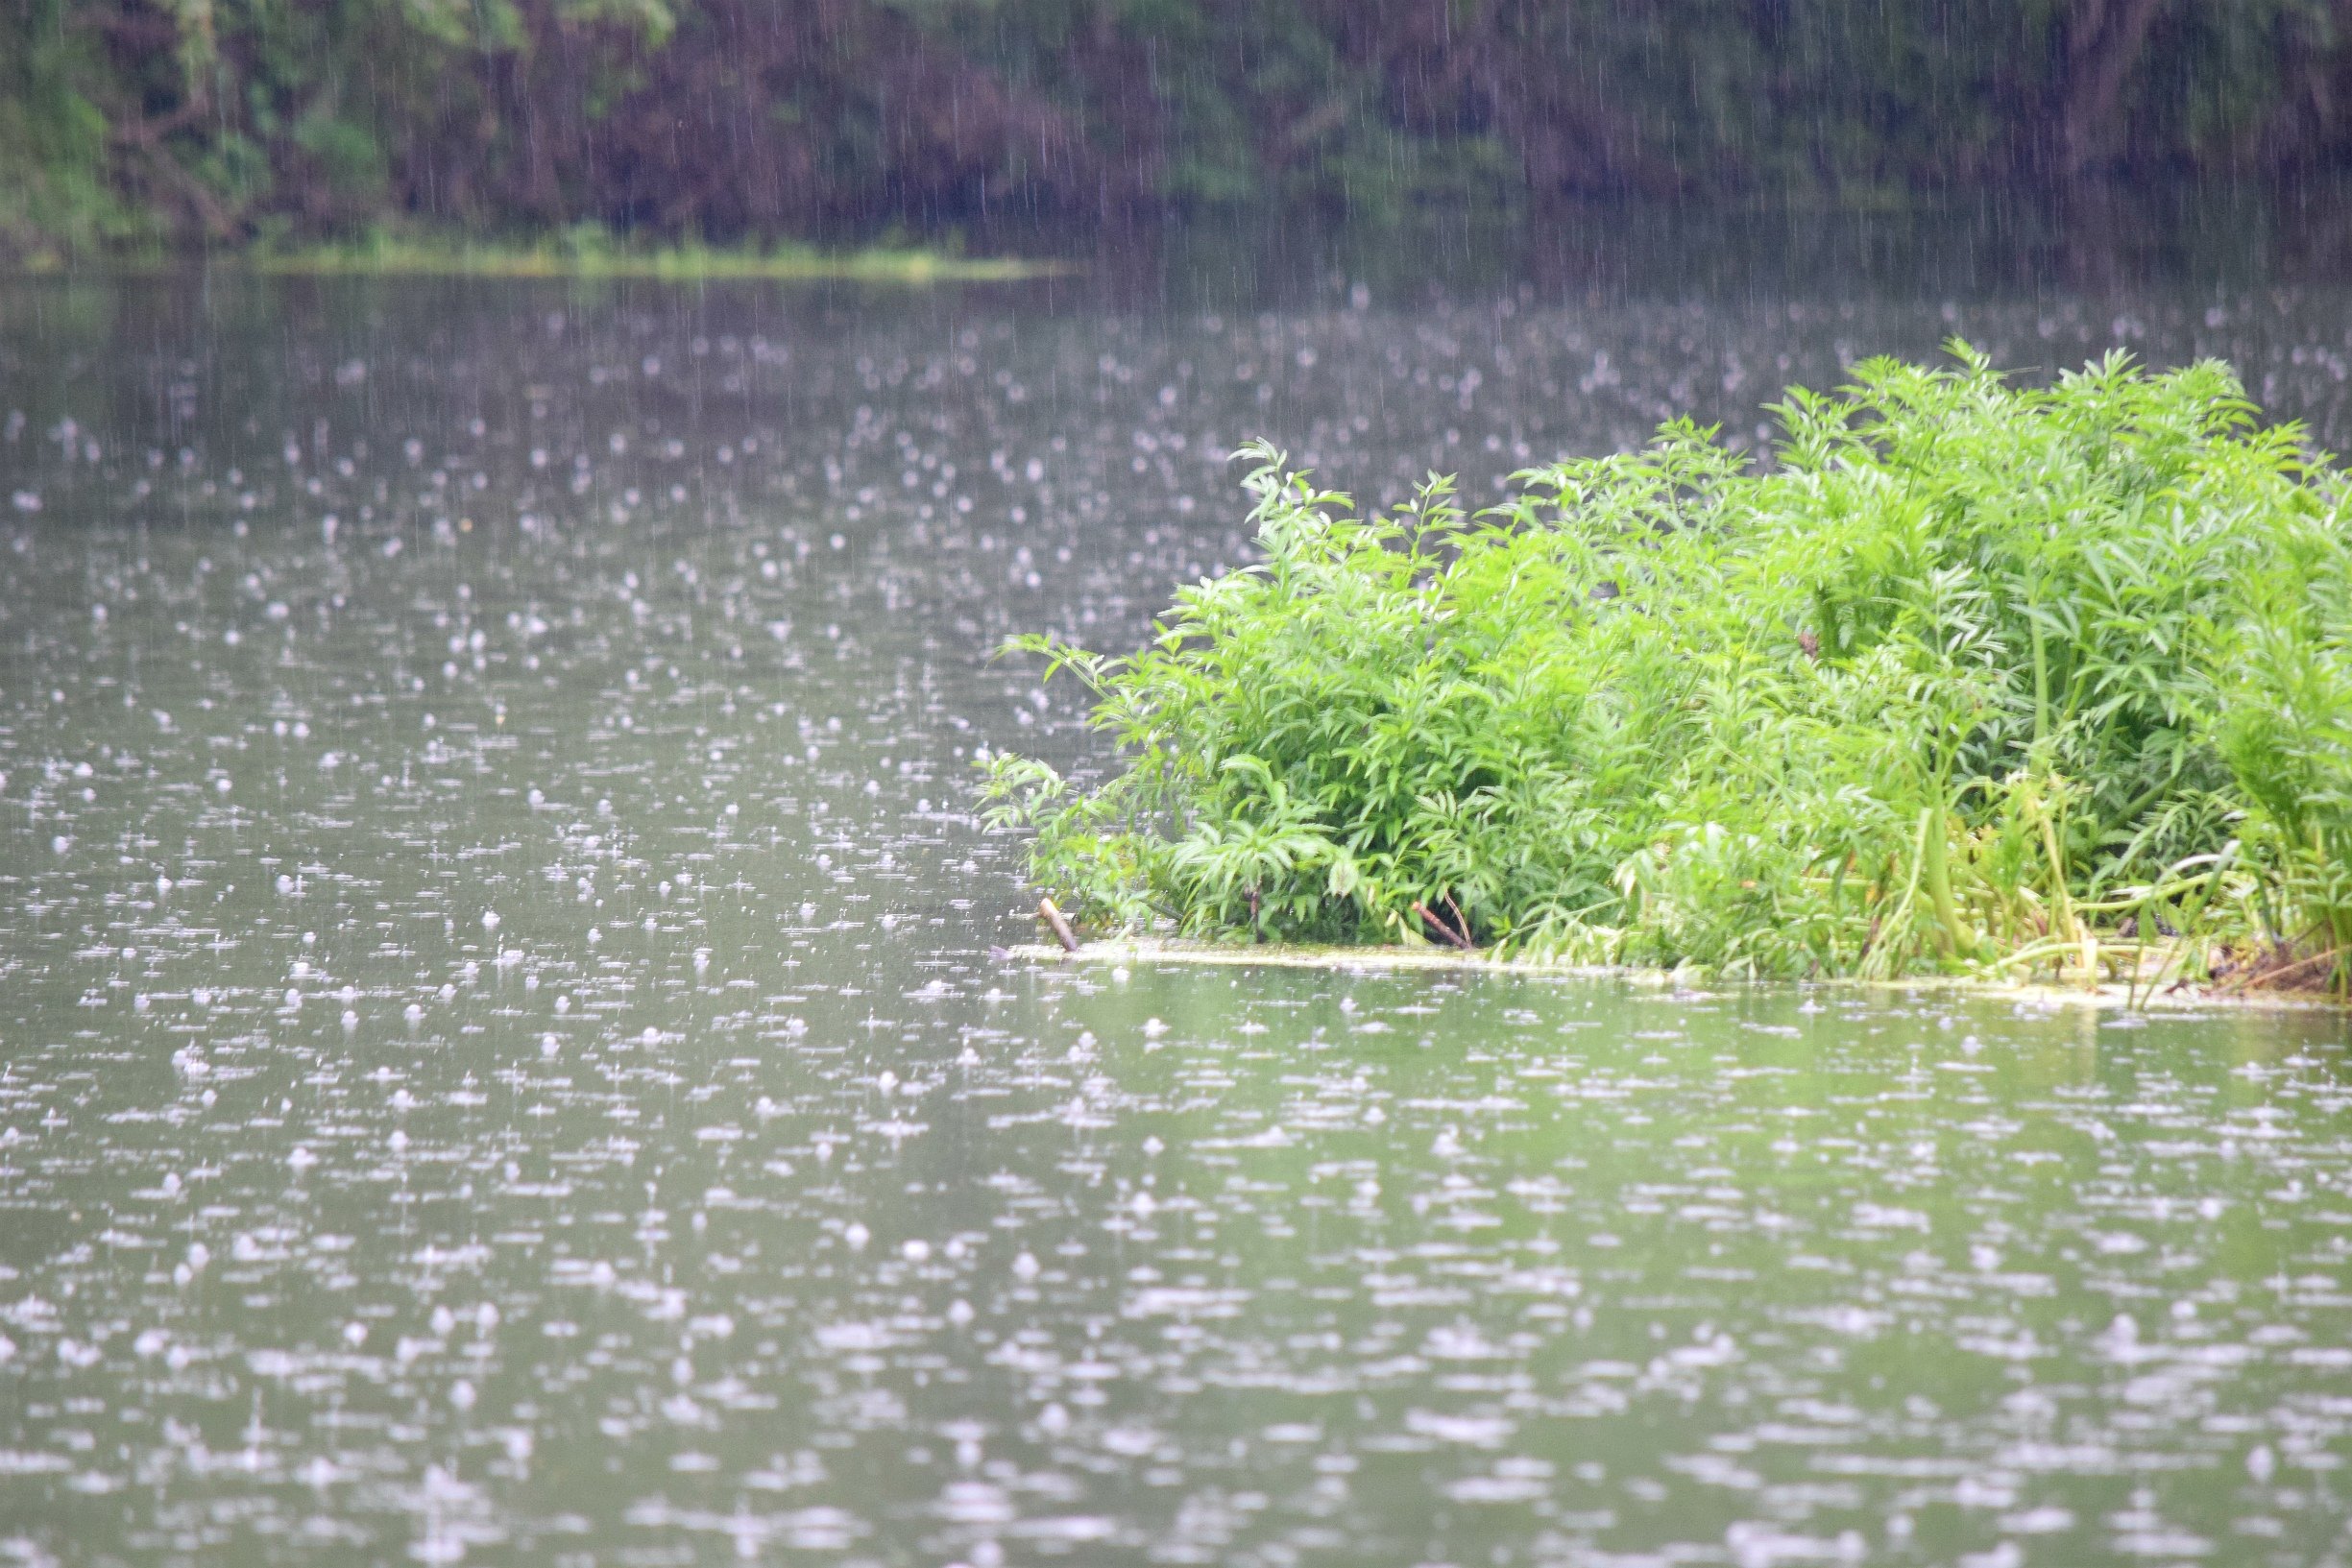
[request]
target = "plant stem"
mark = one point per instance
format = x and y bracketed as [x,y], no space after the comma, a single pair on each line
[1953,935]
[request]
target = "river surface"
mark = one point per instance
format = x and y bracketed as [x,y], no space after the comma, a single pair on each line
[506,1053]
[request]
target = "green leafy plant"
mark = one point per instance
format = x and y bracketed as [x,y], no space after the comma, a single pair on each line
[1970,675]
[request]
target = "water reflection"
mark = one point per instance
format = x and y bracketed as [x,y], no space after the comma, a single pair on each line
[505,1060]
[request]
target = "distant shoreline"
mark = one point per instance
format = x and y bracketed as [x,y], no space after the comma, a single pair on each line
[575,255]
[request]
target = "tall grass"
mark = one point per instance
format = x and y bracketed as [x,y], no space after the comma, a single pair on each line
[590,251]
[1970,675]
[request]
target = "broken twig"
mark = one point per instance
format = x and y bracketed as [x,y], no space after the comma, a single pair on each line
[1440,927]
[1049,913]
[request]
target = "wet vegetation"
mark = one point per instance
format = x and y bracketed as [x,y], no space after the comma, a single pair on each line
[589,251]
[1967,675]
[173,122]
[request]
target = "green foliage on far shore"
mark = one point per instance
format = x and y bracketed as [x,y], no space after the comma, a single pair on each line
[204,122]
[1970,676]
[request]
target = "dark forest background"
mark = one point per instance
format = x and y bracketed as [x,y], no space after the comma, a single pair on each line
[168,122]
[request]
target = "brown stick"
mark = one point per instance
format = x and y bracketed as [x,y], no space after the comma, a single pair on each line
[1053,916]
[2275,976]
[1869,936]
[1440,927]
[1462,922]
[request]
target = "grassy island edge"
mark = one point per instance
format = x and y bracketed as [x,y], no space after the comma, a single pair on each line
[1970,680]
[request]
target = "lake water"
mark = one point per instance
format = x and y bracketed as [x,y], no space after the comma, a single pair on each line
[505,1052]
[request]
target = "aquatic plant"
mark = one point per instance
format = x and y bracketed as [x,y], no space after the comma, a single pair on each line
[590,251]
[1968,674]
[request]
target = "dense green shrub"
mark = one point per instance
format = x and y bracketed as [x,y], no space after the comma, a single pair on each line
[1968,673]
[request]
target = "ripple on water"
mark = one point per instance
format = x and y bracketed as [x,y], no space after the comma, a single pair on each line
[504,1057]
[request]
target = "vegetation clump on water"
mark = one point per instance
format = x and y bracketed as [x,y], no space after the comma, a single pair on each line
[590,251]
[1968,677]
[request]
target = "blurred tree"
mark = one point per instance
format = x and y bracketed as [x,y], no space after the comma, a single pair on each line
[218,119]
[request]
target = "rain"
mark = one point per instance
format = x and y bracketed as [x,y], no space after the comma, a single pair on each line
[515,1045]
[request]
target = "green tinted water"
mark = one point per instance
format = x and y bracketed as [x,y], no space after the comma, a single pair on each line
[501,1057]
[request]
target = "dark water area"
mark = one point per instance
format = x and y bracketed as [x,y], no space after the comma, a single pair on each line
[503,1055]
[1987,245]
